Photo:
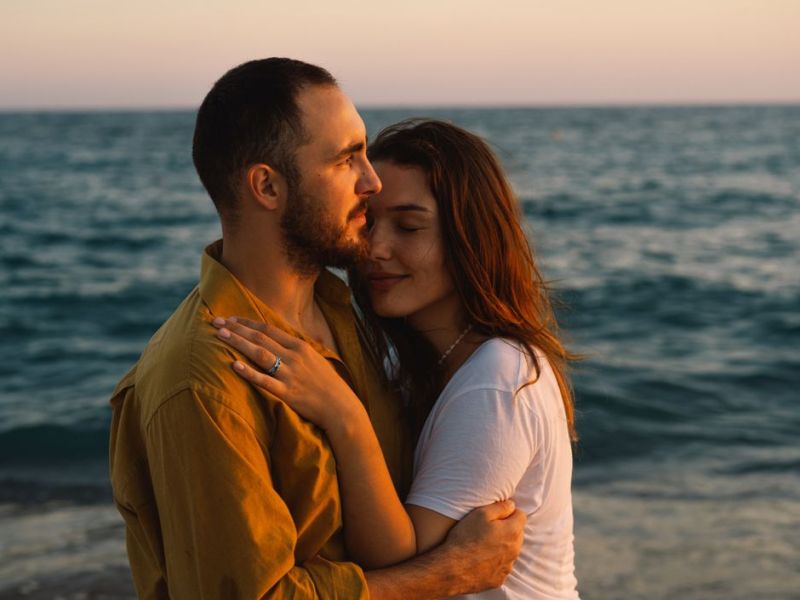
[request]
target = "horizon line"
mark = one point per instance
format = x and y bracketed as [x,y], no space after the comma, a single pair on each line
[77,108]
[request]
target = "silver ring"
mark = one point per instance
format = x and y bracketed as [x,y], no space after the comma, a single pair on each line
[274,368]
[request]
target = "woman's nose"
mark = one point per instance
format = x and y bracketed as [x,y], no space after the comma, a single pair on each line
[379,247]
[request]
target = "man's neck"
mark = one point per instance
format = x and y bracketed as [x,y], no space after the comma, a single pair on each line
[266,272]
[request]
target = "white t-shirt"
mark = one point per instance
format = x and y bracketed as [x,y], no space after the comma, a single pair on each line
[482,443]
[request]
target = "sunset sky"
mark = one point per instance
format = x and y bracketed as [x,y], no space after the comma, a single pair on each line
[95,53]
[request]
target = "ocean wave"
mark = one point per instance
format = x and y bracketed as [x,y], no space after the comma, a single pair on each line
[670,233]
[49,443]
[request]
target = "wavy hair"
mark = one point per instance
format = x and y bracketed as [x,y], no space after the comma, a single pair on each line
[490,260]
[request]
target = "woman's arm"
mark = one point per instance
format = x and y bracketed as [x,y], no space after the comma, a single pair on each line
[378,530]
[430,526]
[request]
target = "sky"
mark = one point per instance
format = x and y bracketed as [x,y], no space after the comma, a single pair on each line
[167,53]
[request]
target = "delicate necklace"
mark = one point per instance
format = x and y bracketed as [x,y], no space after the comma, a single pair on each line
[453,345]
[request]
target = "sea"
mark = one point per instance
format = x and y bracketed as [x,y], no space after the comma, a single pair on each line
[671,235]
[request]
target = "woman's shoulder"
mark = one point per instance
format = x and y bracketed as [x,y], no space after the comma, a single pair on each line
[499,364]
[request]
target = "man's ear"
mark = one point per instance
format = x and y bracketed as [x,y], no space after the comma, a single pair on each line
[266,186]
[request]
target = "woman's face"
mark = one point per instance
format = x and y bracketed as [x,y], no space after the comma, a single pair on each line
[406,272]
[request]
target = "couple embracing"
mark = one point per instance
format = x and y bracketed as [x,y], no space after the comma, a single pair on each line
[284,435]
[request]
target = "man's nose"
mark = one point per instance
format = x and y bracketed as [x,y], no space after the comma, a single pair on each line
[369,183]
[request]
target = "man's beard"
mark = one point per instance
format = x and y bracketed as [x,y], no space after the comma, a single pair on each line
[313,240]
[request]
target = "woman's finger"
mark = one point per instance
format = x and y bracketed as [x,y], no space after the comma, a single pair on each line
[258,338]
[262,334]
[255,336]
[265,382]
[285,339]
[263,355]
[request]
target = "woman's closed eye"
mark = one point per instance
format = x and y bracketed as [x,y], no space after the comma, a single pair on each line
[410,225]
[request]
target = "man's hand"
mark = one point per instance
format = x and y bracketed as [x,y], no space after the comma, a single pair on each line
[477,555]
[490,539]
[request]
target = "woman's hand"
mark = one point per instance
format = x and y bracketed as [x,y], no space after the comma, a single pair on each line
[305,380]
[309,384]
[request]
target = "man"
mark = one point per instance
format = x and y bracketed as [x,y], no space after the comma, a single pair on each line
[230,494]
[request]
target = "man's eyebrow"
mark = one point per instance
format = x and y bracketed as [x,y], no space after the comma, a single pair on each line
[409,208]
[351,149]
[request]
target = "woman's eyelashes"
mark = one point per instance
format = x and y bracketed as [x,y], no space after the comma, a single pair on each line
[410,225]
[400,226]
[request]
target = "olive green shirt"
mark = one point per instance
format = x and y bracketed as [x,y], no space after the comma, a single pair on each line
[227,492]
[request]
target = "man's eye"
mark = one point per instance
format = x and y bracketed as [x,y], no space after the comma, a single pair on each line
[408,229]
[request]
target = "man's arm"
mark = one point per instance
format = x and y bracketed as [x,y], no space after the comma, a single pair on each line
[226,531]
[477,555]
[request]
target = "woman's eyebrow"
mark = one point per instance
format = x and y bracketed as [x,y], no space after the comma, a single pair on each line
[409,208]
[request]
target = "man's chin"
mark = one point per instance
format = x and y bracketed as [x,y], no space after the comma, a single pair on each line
[358,227]
[346,253]
[351,255]
[359,243]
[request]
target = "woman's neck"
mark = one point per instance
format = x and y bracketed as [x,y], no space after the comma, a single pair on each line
[440,323]
[446,327]
[460,354]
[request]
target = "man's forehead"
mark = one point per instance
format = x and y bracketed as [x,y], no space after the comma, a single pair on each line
[330,118]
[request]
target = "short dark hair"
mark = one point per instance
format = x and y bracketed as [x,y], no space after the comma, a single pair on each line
[251,116]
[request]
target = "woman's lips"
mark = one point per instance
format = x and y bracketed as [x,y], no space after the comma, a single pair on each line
[384,282]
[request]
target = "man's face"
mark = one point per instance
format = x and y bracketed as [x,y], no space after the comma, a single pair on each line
[324,221]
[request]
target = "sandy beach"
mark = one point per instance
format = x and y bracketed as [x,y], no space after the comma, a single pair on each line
[57,550]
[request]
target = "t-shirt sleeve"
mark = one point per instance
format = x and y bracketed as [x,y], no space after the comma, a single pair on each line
[479,446]
[226,531]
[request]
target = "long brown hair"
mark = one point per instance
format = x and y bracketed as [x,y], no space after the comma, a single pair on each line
[489,257]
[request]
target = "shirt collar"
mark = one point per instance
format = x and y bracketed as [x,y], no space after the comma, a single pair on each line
[226,296]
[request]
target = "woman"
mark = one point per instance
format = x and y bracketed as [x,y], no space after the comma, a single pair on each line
[452,283]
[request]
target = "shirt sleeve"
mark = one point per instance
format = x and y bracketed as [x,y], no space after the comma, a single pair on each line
[480,445]
[226,531]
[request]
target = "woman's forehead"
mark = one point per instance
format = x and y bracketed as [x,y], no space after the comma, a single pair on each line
[405,188]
